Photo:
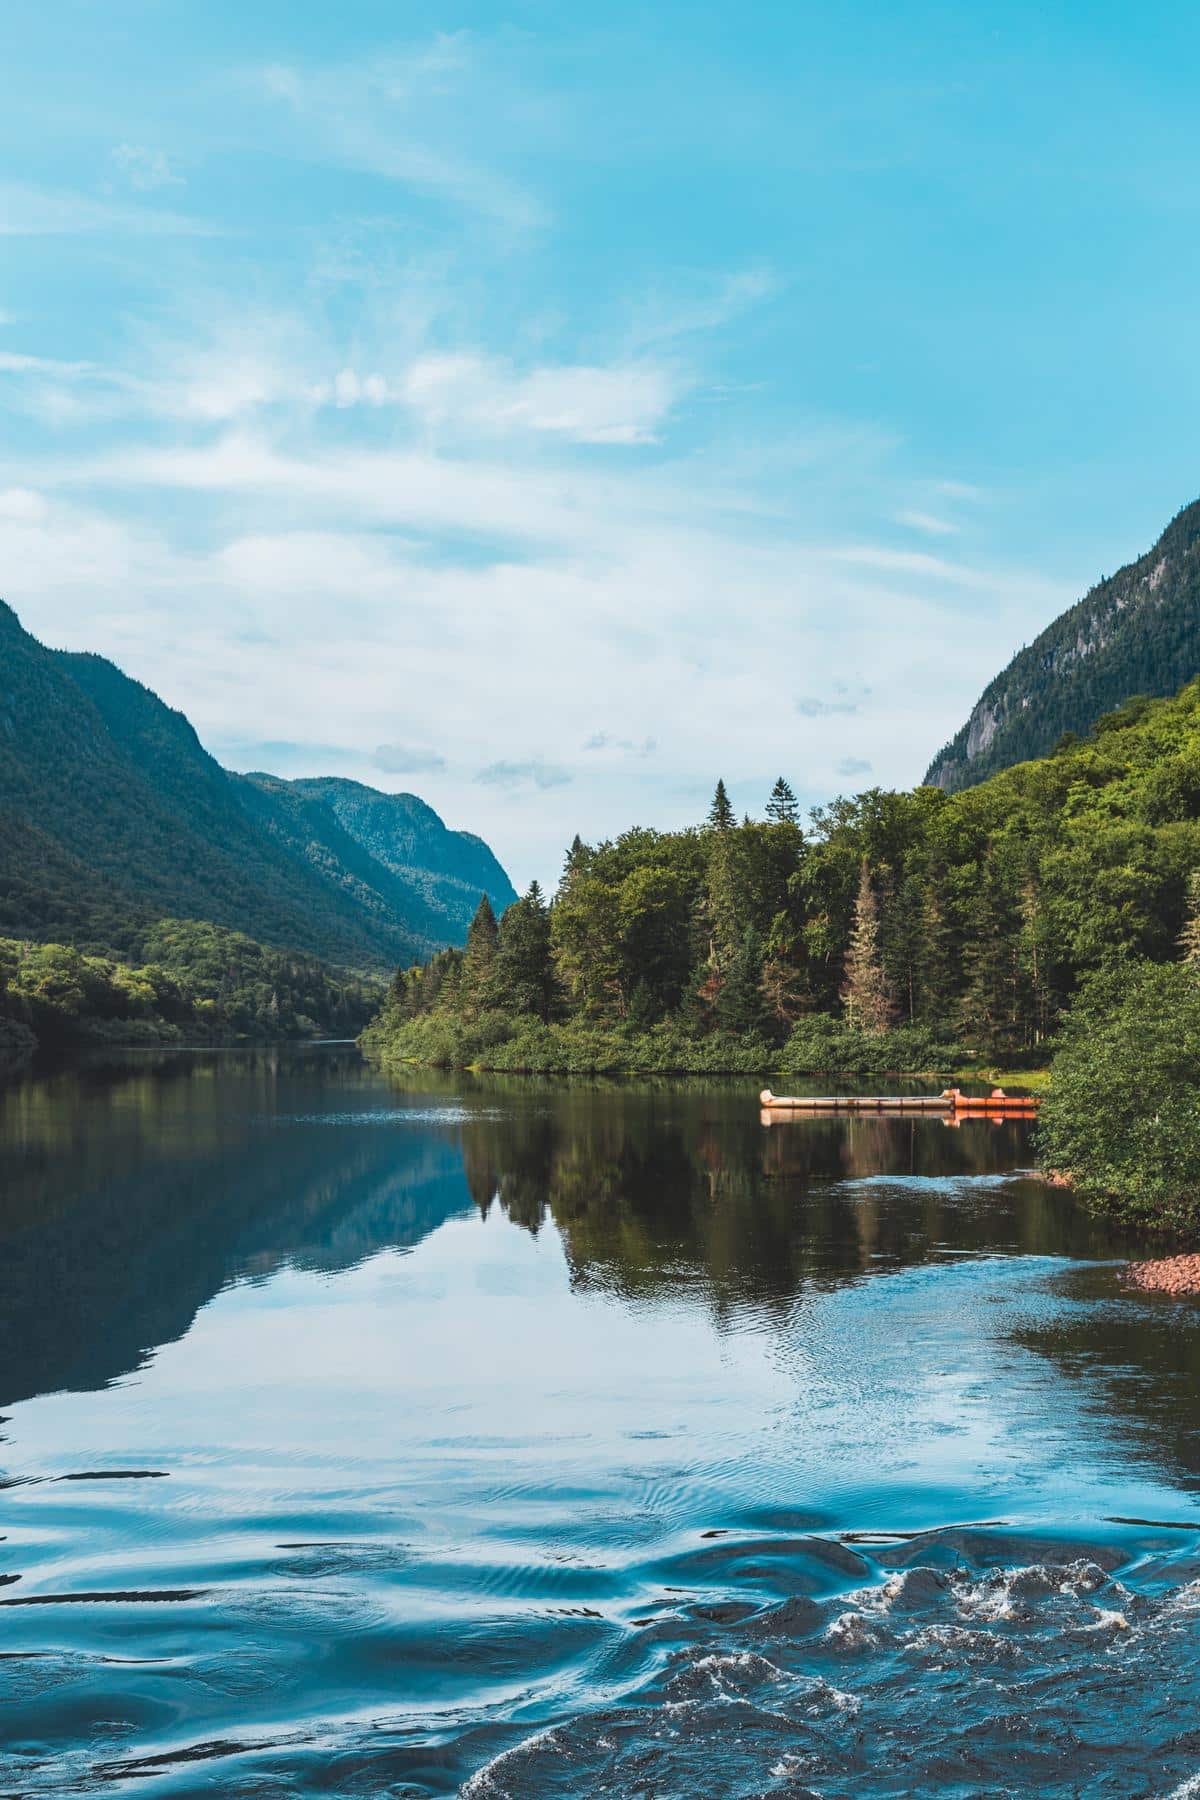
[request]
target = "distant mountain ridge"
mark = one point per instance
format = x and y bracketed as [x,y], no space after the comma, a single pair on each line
[1136,632]
[112,814]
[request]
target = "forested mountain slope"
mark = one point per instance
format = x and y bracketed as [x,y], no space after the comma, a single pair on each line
[442,871]
[1136,632]
[113,815]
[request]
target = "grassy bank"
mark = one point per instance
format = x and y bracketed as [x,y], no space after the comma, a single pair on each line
[520,1045]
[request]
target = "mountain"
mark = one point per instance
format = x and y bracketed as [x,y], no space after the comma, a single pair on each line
[443,871]
[113,815]
[1136,632]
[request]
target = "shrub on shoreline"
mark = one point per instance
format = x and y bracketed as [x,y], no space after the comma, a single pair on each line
[522,1045]
[1123,1111]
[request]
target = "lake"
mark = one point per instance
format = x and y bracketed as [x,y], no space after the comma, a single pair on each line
[400,1437]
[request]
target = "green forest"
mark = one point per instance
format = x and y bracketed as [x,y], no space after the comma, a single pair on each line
[191,982]
[890,931]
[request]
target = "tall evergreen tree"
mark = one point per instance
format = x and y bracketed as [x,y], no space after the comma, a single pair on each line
[575,864]
[991,1004]
[524,969]
[865,994]
[938,977]
[1035,961]
[903,941]
[783,808]
[479,959]
[740,1003]
[720,813]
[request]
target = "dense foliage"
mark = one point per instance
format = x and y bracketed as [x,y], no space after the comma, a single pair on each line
[194,983]
[1136,632]
[1123,1115]
[112,814]
[895,926]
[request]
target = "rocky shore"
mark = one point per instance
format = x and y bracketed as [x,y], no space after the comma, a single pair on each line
[1166,1275]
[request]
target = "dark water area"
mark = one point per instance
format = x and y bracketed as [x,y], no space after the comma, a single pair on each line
[377,1437]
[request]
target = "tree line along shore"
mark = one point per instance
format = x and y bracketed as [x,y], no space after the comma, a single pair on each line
[1051,912]
[187,982]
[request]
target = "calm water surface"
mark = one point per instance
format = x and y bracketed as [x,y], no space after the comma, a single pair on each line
[365,1438]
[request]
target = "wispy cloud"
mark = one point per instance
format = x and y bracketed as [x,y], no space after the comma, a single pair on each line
[700,305]
[253,367]
[536,772]
[334,619]
[29,211]
[590,404]
[927,522]
[144,168]
[400,117]
[810,707]
[287,756]
[910,562]
[853,765]
[957,490]
[403,759]
[605,740]
[13,362]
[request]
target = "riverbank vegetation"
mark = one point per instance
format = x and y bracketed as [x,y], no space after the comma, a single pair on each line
[1122,1119]
[916,931]
[190,983]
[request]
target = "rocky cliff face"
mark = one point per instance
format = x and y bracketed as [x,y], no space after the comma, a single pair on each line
[1136,632]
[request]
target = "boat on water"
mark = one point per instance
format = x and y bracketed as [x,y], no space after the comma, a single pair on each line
[997,1104]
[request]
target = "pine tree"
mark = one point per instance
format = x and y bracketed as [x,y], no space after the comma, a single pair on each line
[524,970]
[479,959]
[1036,997]
[938,970]
[722,907]
[740,1004]
[991,1002]
[1189,937]
[865,993]
[720,813]
[904,944]
[783,808]
[575,864]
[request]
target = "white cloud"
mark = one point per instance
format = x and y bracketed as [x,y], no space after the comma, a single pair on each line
[22,504]
[144,168]
[534,772]
[929,523]
[29,211]
[405,759]
[701,306]
[265,364]
[957,490]
[810,707]
[911,562]
[12,363]
[607,741]
[401,117]
[330,628]
[593,405]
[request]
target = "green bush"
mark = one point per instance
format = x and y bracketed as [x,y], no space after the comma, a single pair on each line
[823,1045]
[523,1045]
[1122,1119]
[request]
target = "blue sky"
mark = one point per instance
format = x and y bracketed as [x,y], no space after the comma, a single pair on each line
[549,409]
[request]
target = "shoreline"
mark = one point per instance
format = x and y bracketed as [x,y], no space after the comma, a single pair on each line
[1035,1080]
